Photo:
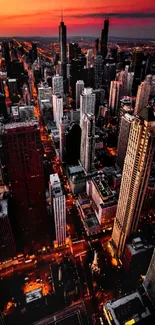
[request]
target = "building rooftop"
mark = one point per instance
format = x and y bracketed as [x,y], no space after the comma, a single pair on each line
[74,315]
[127,310]
[18,125]
[75,169]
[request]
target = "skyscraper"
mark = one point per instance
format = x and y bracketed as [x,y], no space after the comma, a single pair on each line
[23,155]
[73,51]
[87,152]
[62,43]
[87,102]
[142,97]
[126,122]
[59,209]
[149,283]
[63,125]
[136,172]
[98,71]
[104,38]
[57,85]
[7,244]
[79,90]
[57,109]
[115,94]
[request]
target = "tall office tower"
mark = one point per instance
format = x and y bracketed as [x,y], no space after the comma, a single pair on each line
[76,73]
[87,151]
[138,58]
[104,38]
[57,109]
[7,244]
[73,141]
[59,209]
[62,44]
[97,45]
[87,102]
[135,177]
[57,85]
[98,71]
[149,283]
[115,94]
[63,125]
[73,51]
[79,90]
[23,155]
[89,58]
[130,78]
[123,79]
[142,97]
[126,122]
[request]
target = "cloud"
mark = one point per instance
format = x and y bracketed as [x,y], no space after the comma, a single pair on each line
[122,15]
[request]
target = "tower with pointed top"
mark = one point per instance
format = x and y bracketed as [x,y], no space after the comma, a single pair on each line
[62,43]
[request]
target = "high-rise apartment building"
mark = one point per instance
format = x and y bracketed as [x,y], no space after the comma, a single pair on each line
[57,109]
[7,243]
[142,98]
[79,90]
[149,283]
[87,102]
[57,85]
[126,122]
[115,94]
[135,177]
[59,209]
[87,152]
[62,44]
[22,149]
[98,71]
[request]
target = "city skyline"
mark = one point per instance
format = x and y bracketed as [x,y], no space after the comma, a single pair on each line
[82,18]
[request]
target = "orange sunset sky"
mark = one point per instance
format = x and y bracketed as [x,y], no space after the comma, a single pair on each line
[82,17]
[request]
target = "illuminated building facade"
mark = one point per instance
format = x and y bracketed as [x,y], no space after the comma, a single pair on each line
[57,109]
[87,103]
[79,90]
[142,97]
[115,94]
[23,155]
[136,173]
[57,85]
[126,122]
[59,209]
[87,151]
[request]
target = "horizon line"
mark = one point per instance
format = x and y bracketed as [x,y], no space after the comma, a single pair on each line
[31,36]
